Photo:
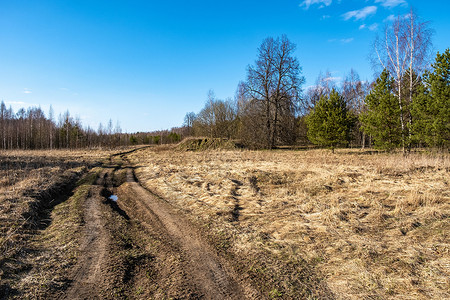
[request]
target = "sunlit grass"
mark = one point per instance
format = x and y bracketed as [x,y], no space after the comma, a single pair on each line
[373,225]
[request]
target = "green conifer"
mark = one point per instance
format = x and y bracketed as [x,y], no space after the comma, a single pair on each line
[431,108]
[381,120]
[329,122]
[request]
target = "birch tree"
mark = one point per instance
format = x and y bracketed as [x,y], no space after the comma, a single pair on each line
[404,46]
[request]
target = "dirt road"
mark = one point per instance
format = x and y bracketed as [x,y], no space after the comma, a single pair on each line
[179,262]
[94,246]
[92,251]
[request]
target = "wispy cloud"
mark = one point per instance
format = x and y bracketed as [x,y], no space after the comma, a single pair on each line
[372,27]
[391,3]
[346,41]
[332,78]
[307,3]
[343,41]
[392,18]
[360,14]
[324,17]
[26,91]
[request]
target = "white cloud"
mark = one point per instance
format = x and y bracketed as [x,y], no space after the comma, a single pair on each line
[346,41]
[307,3]
[360,14]
[26,91]
[324,17]
[390,18]
[332,79]
[343,41]
[391,3]
[373,27]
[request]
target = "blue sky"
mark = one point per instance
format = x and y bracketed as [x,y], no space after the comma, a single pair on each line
[148,63]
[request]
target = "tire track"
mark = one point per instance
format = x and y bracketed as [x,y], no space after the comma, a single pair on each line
[87,274]
[185,265]
[204,269]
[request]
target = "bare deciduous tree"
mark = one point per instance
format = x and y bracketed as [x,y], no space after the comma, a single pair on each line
[216,119]
[275,80]
[354,92]
[189,119]
[323,86]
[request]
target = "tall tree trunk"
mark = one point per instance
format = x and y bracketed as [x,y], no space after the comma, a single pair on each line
[274,127]
[51,135]
[363,140]
[269,144]
[399,91]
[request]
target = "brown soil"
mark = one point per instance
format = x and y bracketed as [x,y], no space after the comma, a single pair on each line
[200,273]
[157,253]
[93,251]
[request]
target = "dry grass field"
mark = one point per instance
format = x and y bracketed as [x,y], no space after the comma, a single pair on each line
[365,225]
[291,224]
[31,184]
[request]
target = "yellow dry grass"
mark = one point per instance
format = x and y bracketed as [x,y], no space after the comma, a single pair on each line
[20,170]
[375,226]
[23,176]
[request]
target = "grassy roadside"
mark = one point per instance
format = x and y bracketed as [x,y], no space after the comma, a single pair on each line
[32,184]
[53,251]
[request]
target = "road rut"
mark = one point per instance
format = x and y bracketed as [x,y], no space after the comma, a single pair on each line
[206,271]
[184,265]
[93,250]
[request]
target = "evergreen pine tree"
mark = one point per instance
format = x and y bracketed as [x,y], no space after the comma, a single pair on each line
[431,108]
[381,120]
[409,93]
[329,122]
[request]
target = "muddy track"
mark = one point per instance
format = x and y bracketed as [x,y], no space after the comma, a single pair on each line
[200,266]
[87,273]
[184,265]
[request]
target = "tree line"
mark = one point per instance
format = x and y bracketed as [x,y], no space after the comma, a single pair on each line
[30,129]
[408,105]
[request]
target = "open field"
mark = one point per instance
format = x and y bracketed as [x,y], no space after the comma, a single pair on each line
[360,225]
[224,225]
